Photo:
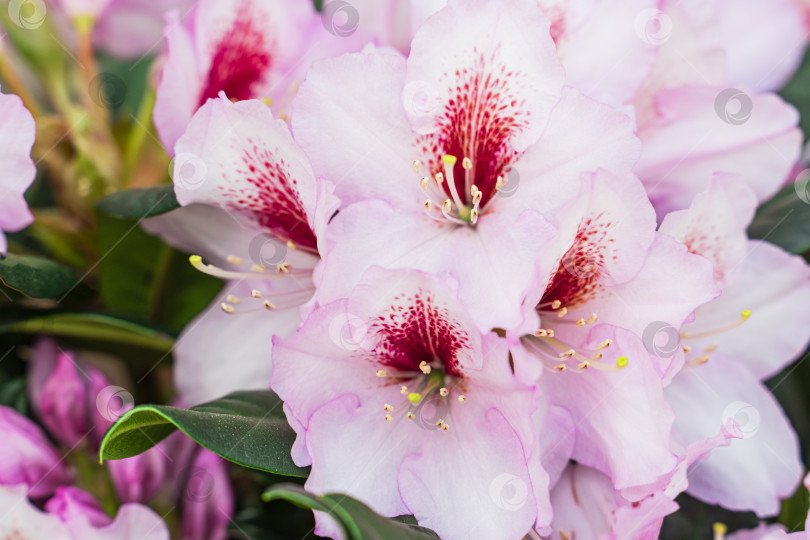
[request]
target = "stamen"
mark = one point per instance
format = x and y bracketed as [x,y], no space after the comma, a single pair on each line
[403,390]
[445,426]
[466,163]
[424,183]
[256,293]
[416,165]
[232,299]
[424,367]
[269,305]
[556,304]
[446,208]
[719,530]
[687,348]
[283,267]
[388,408]
[257,271]
[233,259]
[292,245]
[462,399]
[605,344]
[227,308]
[592,318]
[568,354]
[543,332]
[449,163]
[411,416]
[443,392]
[562,312]
[381,373]
[744,315]
[560,367]
[389,418]
[700,361]
[499,182]
[580,322]
[439,177]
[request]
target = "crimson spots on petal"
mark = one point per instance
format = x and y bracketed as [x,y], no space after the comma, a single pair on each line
[577,278]
[416,329]
[262,185]
[478,122]
[241,58]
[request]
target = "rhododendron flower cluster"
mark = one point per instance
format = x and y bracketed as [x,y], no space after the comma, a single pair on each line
[499,269]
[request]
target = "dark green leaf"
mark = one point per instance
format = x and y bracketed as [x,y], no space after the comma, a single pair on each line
[93,327]
[36,277]
[797,93]
[248,428]
[784,221]
[139,203]
[358,521]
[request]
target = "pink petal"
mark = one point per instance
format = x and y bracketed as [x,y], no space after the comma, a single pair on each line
[17,170]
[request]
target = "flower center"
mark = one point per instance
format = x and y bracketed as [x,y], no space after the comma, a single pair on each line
[427,394]
[445,202]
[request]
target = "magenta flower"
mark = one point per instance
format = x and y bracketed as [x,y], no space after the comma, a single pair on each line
[400,401]
[69,503]
[766,294]
[488,110]
[17,170]
[255,212]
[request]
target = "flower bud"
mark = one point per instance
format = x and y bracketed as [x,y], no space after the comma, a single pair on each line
[139,478]
[207,500]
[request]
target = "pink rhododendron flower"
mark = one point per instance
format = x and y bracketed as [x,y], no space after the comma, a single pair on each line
[400,401]
[489,109]
[757,326]
[69,503]
[17,170]
[697,112]
[254,211]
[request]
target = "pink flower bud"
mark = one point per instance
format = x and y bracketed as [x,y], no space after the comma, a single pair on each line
[139,478]
[71,502]
[27,457]
[207,500]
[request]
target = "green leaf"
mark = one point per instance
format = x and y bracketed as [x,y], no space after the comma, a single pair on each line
[94,327]
[248,428]
[797,93]
[358,521]
[36,277]
[139,203]
[784,221]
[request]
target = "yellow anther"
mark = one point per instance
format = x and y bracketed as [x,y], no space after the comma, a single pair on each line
[403,390]
[621,362]
[562,312]
[424,183]
[232,299]
[381,373]
[256,293]
[605,344]
[269,305]
[257,268]
[687,348]
[556,304]
[596,356]
[227,308]
[568,354]
[233,259]
[445,426]
[283,267]
[411,416]
[387,408]
[584,365]
[499,182]
[466,163]
[389,418]
[424,367]
[443,392]
[592,318]
[428,205]
[416,165]
[292,245]
[439,178]
[560,367]
[414,398]
[580,322]
[462,399]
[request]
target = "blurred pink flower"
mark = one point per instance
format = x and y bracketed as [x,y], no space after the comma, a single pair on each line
[27,457]
[69,503]
[400,401]
[17,170]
